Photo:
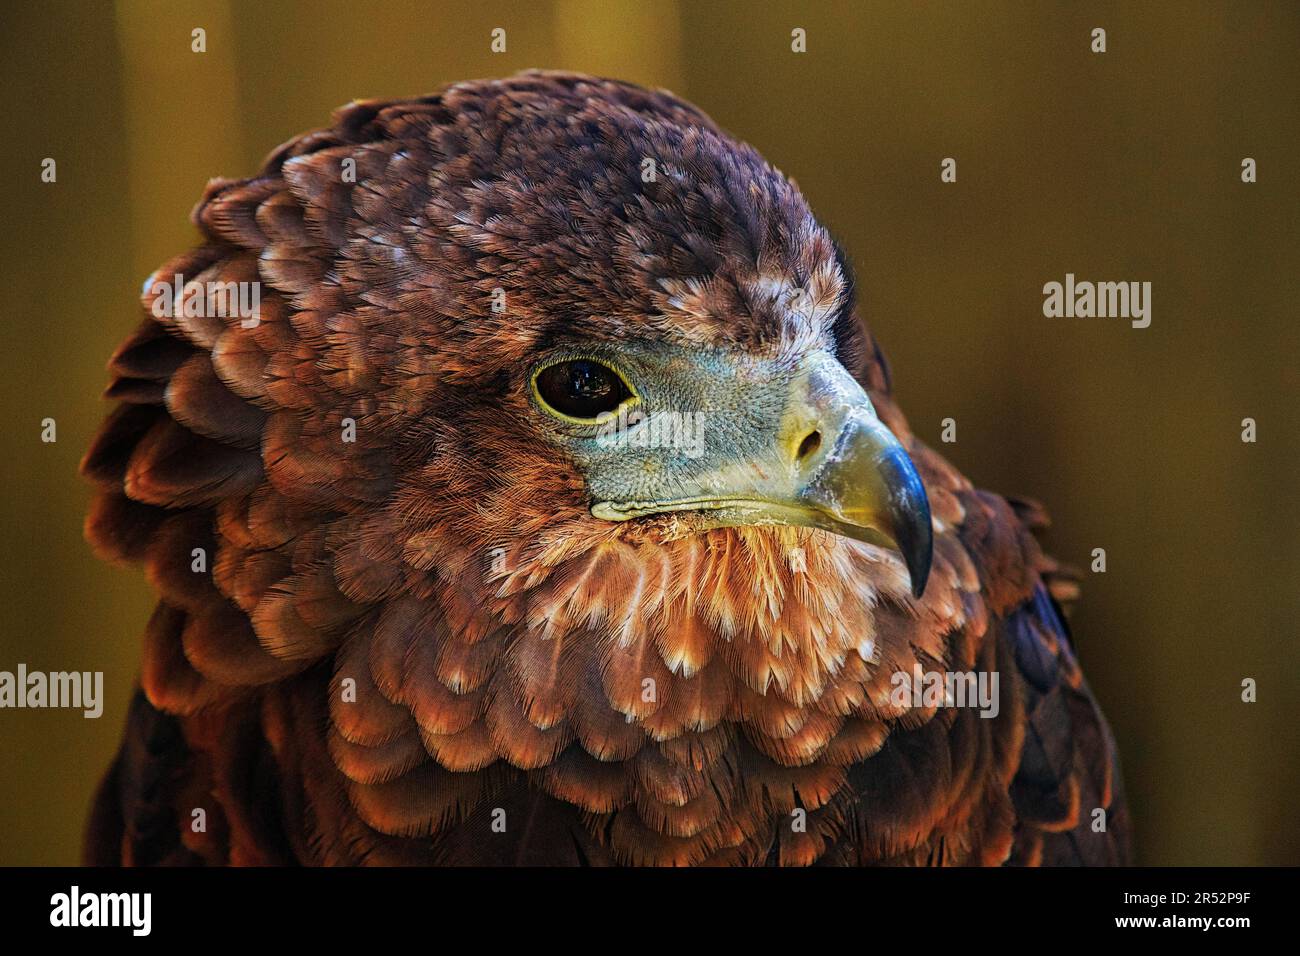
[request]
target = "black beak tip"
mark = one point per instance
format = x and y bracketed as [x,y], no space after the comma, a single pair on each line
[912,528]
[917,546]
[919,569]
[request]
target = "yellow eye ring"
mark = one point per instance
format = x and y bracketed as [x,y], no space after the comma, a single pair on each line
[582,390]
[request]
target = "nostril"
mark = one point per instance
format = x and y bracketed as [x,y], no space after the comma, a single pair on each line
[811,442]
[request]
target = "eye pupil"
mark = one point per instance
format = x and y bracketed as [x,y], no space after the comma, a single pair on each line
[588,382]
[582,388]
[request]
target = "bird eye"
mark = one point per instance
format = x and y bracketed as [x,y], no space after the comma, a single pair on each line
[581,389]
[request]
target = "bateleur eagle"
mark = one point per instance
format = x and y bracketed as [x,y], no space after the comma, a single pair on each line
[553,506]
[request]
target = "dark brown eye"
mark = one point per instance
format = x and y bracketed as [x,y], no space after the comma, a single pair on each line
[581,388]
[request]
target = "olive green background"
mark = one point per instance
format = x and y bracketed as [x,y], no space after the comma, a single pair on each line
[1120,166]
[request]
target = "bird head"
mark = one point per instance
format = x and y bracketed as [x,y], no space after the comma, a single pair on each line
[640,329]
[554,337]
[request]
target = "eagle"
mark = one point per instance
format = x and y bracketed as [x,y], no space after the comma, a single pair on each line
[549,504]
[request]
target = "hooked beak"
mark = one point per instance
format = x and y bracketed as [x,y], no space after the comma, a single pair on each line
[868,487]
[835,467]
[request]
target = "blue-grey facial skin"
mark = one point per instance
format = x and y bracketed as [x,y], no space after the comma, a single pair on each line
[737,440]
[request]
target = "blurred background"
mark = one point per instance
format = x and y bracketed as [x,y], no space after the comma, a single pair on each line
[1117,166]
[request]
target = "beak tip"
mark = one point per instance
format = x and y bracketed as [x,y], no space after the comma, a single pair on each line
[910,520]
[917,555]
[919,582]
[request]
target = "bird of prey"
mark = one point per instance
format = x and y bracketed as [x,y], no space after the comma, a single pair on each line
[552,506]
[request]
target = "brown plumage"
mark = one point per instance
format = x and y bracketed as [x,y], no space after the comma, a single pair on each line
[399,641]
